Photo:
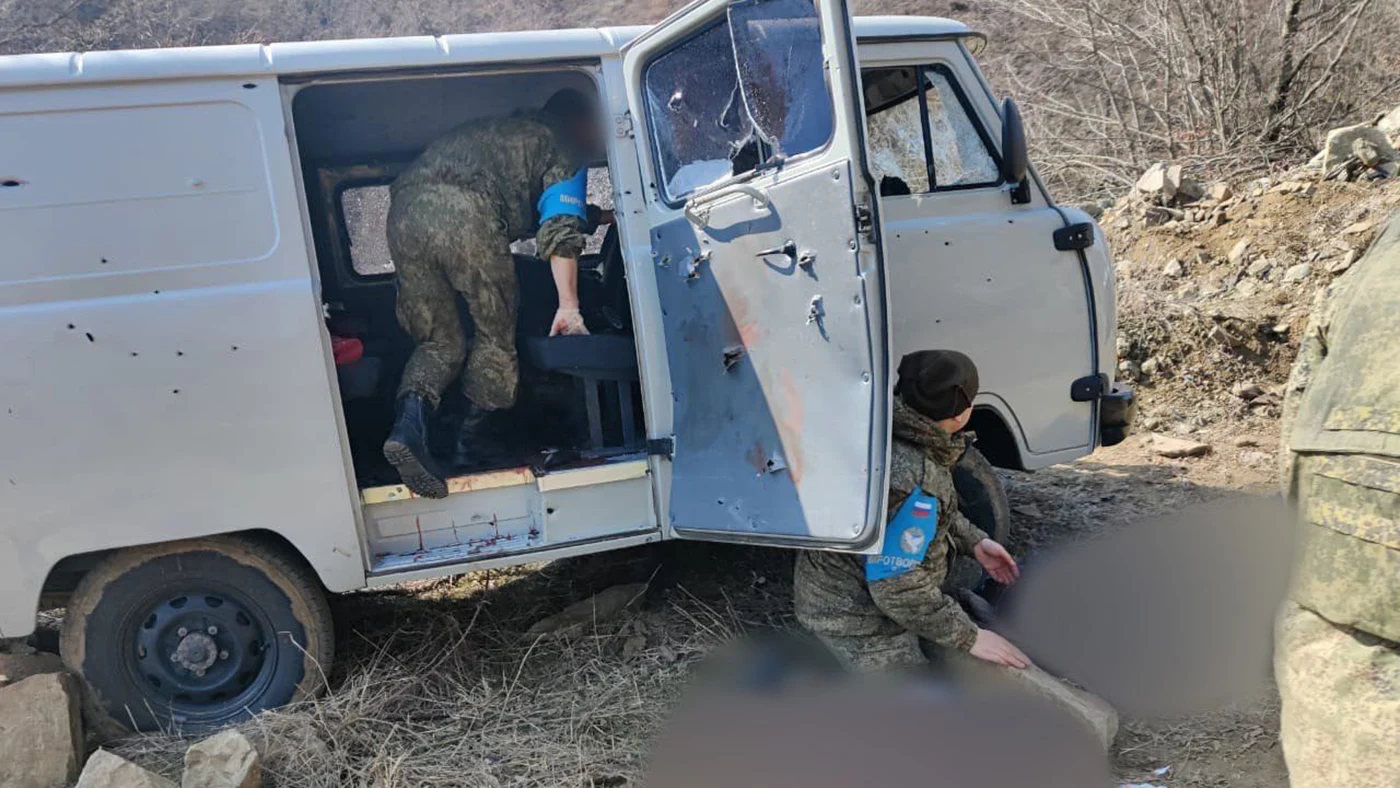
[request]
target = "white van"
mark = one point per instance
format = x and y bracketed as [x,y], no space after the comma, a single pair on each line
[184,234]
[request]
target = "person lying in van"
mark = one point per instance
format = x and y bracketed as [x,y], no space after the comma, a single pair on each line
[453,214]
[874,611]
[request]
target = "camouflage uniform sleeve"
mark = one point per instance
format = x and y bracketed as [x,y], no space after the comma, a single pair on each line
[560,236]
[965,534]
[915,601]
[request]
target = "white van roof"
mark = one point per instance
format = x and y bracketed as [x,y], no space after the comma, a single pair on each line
[369,54]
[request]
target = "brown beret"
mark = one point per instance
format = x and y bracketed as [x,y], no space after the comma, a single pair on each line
[940,384]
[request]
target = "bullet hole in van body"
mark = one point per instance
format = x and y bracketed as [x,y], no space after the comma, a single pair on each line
[11,183]
[249,85]
[90,337]
[104,261]
[71,326]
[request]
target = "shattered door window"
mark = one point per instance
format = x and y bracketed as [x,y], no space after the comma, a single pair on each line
[778,49]
[709,124]
[697,116]
[960,158]
[896,135]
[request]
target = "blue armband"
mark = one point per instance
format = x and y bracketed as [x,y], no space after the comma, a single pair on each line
[907,537]
[565,198]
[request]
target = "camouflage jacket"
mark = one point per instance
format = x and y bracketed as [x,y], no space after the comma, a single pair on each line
[1342,447]
[831,594]
[511,161]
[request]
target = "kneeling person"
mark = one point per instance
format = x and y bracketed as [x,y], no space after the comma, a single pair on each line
[872,611]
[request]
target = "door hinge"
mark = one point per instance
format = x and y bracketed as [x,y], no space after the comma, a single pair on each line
[1074,237]
[661,447]
[865,221]
[1088,388]
[623,124]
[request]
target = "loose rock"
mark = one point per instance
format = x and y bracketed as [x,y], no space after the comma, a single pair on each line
[1342,263]
[224,760]
[1220,191]
[1239,250]
[1174,268]
[1247,390]
[1256,459]
[18,667]
[1093,712]
[581,615]
[106,770]
[1177,448]
[1244,441]
[1260,268]
[1150,366]
[1297,273]
[41,736]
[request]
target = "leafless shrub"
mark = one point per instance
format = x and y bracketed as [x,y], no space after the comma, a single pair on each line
[1228,85]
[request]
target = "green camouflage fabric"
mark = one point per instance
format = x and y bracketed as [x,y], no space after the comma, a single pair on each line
[452,216]
[1337,655]
[880,625]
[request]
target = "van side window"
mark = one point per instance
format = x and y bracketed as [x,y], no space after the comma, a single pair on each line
[708,124]
[365,211]
[924,140]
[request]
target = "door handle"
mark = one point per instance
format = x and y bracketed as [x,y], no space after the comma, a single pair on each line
[697,209]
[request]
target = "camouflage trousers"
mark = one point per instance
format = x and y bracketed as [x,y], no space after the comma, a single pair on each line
[446,241]
[1336,657]
[1341,703]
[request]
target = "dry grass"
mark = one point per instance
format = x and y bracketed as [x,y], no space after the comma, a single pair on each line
[440,685]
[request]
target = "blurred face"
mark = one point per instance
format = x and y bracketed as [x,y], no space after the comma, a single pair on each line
[588,134]
[956,423]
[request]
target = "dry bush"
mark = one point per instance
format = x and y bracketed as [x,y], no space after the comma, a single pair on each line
[1226,85]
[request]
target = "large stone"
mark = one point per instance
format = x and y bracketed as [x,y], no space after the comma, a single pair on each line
[1390,123]
[18,667]
[1239,250]
[1340,145]
[106,770]
[1220,191]
[1173,268]
[1177,448]
[41,736]
[1260,268]
[224,760]
[582,615]
[1093,712]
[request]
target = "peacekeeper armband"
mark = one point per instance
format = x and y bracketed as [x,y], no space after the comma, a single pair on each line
[565,198]
[907,537]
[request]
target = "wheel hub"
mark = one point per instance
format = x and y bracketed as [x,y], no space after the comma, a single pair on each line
[196,652]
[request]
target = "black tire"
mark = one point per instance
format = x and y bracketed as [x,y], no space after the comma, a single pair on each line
[981,499]
[196,635]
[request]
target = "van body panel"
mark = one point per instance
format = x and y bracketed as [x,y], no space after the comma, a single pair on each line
[165,367]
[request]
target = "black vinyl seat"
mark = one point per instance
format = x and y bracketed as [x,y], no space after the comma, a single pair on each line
[597,361]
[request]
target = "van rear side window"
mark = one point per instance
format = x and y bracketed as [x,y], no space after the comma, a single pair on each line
[365,211]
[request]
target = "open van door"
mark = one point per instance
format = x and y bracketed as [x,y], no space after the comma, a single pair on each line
[766,259]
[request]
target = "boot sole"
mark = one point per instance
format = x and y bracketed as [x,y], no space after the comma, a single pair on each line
[415,476]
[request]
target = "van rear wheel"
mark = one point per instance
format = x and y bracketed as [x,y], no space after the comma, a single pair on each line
[195,635]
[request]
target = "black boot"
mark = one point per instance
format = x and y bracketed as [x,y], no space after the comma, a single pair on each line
[475,449]
[407,448]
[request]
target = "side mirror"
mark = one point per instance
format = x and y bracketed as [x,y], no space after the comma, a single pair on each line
[1015,156]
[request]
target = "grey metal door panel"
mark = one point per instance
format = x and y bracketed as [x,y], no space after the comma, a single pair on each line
[771,364]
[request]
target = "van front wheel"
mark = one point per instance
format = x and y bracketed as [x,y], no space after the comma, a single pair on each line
[195,635]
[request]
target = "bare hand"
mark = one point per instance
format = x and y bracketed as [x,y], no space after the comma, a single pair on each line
[567,322]
[991,647]
[997,561]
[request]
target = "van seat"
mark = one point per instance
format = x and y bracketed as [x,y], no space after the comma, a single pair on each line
[596,361]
